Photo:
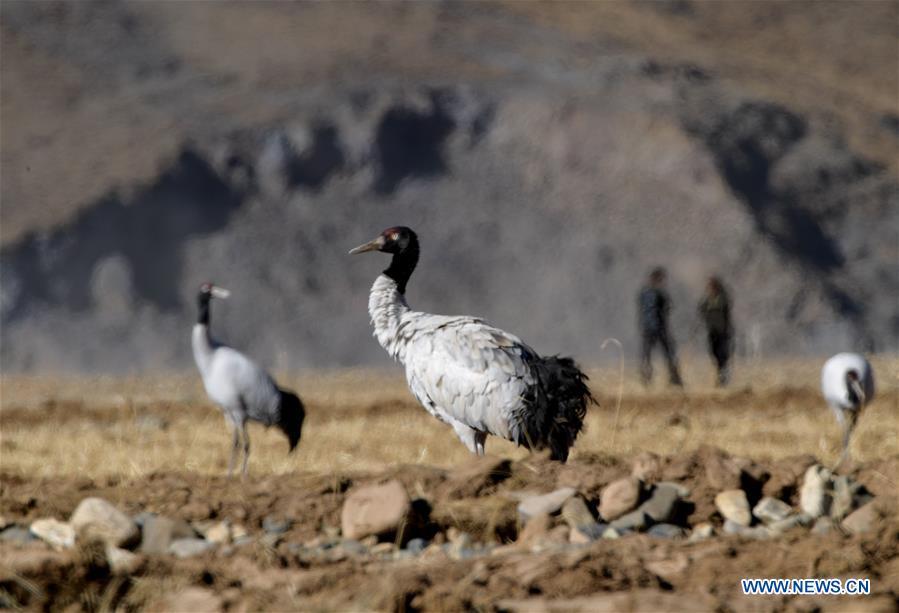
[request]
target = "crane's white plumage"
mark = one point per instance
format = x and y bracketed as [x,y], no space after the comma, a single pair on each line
[469,374]
[243,390]
[847,382]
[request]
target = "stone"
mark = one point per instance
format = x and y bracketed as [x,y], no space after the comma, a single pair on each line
[732,527]
[96,518]
[587,533]
[17,534]
[646,467]
[532,506]
[733,505]
[553,538]
[814,495]
[822,526]
[238,532]
[611,533]
[847,496]
[576,513]
[55,533]
[3,523]
[668,569]
[353,547]
[189,547]
[536,528]
[383,548]
[662,503]
[193,599]
[667,531]
[375,510]
[862,520]
[770,510]
[682,490]
[276,525]
[416,545]
[121,561]
[159,532]
[701,532]
[793,521]
[635,520]
[219,533]
[619,497]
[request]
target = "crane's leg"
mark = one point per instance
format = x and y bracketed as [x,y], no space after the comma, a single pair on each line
[467,435]
[246,448]
[235,446]
[480,438]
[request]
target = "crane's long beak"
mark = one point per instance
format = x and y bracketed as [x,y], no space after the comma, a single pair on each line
[374,245]
[219,292]
[859,391]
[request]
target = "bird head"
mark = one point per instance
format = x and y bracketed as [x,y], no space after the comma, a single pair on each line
[392,240]
[854,385]
[291,418]
[209,290]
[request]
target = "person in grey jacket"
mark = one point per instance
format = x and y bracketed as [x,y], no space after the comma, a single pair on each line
[653,305]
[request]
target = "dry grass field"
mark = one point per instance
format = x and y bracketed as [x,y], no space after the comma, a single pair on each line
[155,444]
[368,421]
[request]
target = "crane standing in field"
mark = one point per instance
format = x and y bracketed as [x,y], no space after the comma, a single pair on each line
[242,390]
[470,375]
[847,382]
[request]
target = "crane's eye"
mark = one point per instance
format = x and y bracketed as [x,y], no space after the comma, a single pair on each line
[395,236]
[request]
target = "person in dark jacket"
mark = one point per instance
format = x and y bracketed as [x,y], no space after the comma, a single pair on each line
[714,310]
[653,305]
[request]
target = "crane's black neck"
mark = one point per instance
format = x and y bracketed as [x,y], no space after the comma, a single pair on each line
[403,263]
[203,300]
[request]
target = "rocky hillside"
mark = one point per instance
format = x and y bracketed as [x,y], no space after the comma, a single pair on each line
[547,158]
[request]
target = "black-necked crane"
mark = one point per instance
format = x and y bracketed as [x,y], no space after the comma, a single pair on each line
[847,382]
[478,379]
[242,390]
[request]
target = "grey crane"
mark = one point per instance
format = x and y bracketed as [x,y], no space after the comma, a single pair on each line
[242,390]
[478,379]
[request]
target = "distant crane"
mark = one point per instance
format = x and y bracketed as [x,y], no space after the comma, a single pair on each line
[470,375]
[847,382]
[242,390]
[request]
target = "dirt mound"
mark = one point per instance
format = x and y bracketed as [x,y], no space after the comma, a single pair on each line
[468,557]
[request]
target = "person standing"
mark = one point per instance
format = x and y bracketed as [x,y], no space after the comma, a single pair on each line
[653,306]
[714,310]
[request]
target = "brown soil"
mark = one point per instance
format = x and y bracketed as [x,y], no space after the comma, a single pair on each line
[654,573]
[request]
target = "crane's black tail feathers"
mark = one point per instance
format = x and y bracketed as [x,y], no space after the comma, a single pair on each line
[555,406]
[292,416]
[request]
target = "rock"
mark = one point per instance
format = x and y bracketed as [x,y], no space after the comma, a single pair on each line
[555,537]
[143,517]
[670,568]
[277,525]
[195,600]
[823,525]
[532,506]
[536,528]
[847,496]
[682,490]
[611,533]
[189,547]
[701,532]
[619,497]
[662,502]
[861,521]
[587,532]
[159,532]
[668,531]
[635,520]
[122,561]
[239,532]
[647,467]
[732,527]
[219,533]
[383,548]
[477,476]
[353,547]
[375,510]
[790,522]
[576,513]
[771,510]
[3,523]
[17,534]
[416,545]
[733,505]
[96,518]
[814,495]
[55,533]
